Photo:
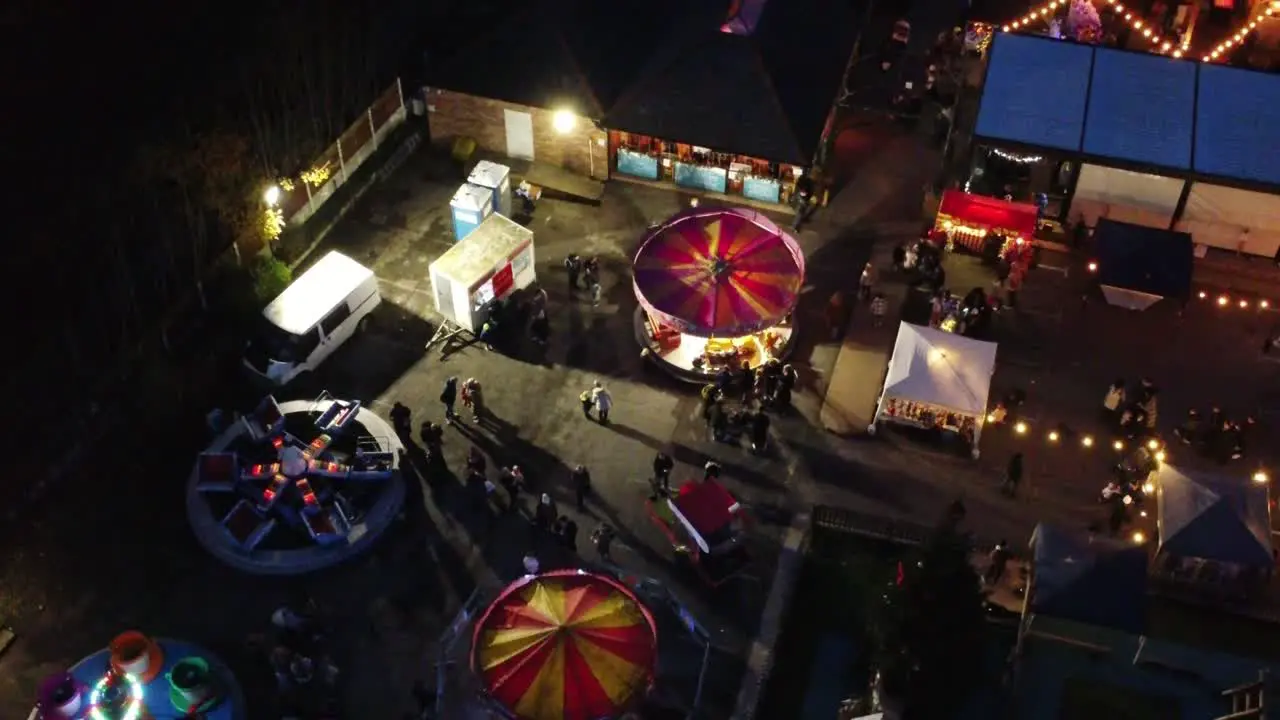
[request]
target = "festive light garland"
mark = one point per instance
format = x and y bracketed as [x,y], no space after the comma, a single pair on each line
[1273,8]
[1013,157]
[1046,12]
[136,696]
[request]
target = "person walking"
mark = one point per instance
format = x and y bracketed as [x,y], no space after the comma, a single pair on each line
[1012,476]
[587,403]
[573,266]
[580,478]
[449,397]
[603,537]
[603,402]
[596,294]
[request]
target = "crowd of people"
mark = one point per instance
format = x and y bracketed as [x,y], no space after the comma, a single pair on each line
[766,388]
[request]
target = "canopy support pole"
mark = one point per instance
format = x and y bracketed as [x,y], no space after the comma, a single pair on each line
[444,334]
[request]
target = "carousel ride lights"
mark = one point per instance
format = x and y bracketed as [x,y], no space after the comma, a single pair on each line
[298,469]
[103,693]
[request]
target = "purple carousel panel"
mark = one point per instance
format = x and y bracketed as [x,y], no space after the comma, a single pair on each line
[718,272]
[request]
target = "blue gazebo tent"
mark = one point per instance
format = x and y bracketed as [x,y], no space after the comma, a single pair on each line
[1139,265]
[1088,579]
[1211,517]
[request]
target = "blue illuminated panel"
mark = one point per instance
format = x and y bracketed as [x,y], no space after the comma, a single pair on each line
[1238,124]
[1035,91]
[1141,108]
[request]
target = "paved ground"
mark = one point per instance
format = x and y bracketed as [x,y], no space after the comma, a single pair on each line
[111,550]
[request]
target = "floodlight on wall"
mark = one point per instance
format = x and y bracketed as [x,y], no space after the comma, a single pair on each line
[564,121]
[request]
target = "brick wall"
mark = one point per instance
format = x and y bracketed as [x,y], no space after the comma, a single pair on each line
[452,115]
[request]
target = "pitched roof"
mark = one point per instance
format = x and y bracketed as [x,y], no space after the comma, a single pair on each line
[766,94]
[1092,580]
[556,53]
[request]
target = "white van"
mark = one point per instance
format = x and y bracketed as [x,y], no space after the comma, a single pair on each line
[323,307]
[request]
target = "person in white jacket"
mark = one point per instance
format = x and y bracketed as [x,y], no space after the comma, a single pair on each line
[603,401]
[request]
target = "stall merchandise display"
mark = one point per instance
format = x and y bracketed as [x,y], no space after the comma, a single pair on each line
[966,219]
[928,416]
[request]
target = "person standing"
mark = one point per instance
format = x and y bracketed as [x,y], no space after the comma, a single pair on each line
[603,402]
[879,307]
[1113,401]
[1012,476]
[569,535]
[473,397]
[580,478]
[835,314]
[759,432]
[866,283]
[587,403]
[540,328]
[596,293]
[999,558]
[711,471]
[531,564]
[449,397]
[546,513]
[662,467]
[746,381]
[401,420]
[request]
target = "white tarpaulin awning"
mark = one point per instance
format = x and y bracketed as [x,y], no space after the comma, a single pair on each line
[1126,196]
[1233,219]
[1129,299]
[940,368]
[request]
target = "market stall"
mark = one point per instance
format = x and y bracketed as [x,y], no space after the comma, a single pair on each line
[138,677]
[938,381]
[966,220]
[492,262]
[565,645]
[717,287]
[1214,532]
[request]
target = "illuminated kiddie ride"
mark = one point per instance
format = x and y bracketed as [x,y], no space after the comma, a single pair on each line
[707,525]
[141,678]
[296,486]
[716,287]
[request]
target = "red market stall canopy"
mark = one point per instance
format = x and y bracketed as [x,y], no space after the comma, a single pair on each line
[978,212]
[718,272]
[565,645]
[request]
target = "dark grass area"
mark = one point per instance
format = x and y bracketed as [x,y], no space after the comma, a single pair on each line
[840,573]
[1088,699]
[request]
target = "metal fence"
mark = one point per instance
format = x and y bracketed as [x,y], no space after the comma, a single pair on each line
[306,194]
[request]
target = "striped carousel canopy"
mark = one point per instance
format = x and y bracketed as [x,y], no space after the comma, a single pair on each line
[718,272]
[565,645]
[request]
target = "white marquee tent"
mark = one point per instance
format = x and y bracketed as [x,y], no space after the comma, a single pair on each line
[942,369]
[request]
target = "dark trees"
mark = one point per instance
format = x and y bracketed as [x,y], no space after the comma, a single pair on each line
[928,627]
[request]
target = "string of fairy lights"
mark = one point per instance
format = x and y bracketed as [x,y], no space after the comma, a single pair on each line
[1242,32]
[1159,43]
[1046,12]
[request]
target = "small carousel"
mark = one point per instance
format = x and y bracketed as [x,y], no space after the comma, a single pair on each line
[138,677]
[716,287]
[565,645]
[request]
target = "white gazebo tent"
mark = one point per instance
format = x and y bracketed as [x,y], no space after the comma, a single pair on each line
[944,371]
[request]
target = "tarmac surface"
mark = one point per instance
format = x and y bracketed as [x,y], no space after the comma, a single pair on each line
[110,549]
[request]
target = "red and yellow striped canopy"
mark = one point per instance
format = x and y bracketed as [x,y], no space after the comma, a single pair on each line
[718,272]
[565,645]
